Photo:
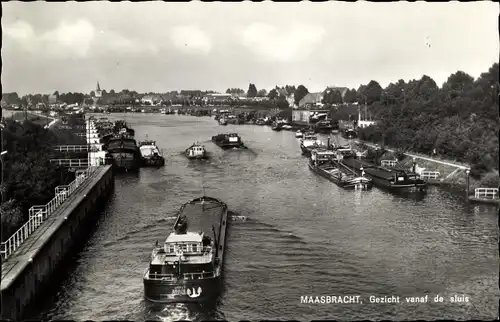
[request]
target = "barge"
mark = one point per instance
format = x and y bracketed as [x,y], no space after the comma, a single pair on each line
[188,266]
[310,141]
[124,153]
[392,179]
[196,151]
[228,141]
[150,154]
[322,163]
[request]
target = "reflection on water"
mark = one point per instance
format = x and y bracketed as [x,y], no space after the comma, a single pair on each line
[303,236]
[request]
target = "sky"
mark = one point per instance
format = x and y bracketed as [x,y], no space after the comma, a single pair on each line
[160,47]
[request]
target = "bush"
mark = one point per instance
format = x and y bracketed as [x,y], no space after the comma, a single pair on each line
[490,180]
[11,217]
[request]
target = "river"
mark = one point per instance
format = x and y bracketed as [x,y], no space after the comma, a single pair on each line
[303,236]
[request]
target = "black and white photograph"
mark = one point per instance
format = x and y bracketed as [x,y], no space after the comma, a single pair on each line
[250,161]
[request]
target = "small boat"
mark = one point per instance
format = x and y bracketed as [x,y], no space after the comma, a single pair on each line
[323,126]
[222,121]
[299,134]
[188,266]
[276,126]
[196,151]
[228,141]
[150,154]
[322,162]
[349,133]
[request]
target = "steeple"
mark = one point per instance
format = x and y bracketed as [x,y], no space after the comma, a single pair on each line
[98,87]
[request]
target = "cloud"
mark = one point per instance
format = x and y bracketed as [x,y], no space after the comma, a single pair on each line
[191,39]
[74,39]
[271,43]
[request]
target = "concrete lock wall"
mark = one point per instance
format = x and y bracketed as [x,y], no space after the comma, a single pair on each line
[33,281]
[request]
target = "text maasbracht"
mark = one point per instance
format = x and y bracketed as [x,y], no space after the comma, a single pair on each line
[327,299]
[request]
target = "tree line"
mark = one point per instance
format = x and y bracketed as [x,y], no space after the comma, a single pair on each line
[458,121]
[29,178]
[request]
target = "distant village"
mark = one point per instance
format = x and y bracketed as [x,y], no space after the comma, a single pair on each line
[303,104]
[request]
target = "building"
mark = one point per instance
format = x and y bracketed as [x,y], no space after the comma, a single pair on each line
[52,99]
[208,98]
[364,123]
[311,100]
[342,90]
[152,100]
[303,116]
[98,92]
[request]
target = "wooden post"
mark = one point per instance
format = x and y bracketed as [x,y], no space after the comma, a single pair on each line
[467,186]
[414,165]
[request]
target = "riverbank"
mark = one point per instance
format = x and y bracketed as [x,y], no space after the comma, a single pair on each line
[451,173]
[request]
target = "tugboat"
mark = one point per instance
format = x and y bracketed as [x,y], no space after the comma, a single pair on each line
[150,154]
[196,151]
[124,153]
[188,267]
[228,141]
[309,142]
[321,162]
[392,179]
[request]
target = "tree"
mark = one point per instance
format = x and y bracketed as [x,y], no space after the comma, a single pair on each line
[112,92]
[262,93]
[350,96]
[300,93]
[252,90]
[373,92]
[273,94]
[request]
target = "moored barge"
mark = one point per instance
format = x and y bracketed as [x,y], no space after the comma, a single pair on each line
[124,152]
[393,179]
[188,267]
[150,154]
[228,141]
[322,163]
[310,141]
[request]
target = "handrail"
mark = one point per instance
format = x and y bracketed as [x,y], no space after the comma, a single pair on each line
[429,174]
[486,193]
[81,163]
[37,214]
[388,163]
[67,148]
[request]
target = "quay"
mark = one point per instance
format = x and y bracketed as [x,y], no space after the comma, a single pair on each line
[36,252]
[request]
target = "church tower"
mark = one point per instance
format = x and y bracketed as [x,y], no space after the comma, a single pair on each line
[98,92]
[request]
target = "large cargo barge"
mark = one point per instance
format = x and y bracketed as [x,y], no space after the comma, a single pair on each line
[322,162]
[124,152]
[393,179]
[188,267]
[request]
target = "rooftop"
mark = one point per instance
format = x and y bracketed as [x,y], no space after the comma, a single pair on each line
[187,237]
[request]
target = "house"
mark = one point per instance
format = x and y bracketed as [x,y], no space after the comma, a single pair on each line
[311,100]
[52,99]
[151,100]
[342,90]
[303,116]
[216,98]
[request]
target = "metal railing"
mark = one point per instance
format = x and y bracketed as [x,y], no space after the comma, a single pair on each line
[429,175]
[71,163]
[486,193]
[388,163]
[74,148]
[185,276]
[38,214]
